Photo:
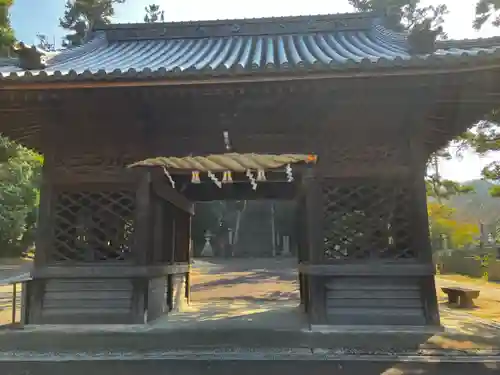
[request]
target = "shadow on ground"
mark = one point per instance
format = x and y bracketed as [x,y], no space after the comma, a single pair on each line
[233,278]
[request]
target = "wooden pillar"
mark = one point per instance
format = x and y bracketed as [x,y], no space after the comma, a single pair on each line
[421,236]
[143,234]
[299,230]
[316,305]
[189,253]
[301,236]
[314,223]
[44,234]
[159,234]
[44,242]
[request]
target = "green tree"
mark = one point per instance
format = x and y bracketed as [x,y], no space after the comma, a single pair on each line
[20,172]
[439,188]
[81,16]
[7,38]
[443,222]
[487,11]
[485,137]
[154,14]
[405,15]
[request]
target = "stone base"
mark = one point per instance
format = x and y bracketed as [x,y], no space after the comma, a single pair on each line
[145,338]
[247,366]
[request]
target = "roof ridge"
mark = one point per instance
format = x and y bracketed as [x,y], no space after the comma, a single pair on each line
[244,27]
[230,21]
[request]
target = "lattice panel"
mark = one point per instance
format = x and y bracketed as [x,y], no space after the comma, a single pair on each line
[368,220]
[93,226]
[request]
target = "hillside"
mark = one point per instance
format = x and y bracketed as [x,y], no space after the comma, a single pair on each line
[478,205]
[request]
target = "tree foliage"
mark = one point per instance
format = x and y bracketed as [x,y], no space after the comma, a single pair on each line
[44,44]
[443,222]
[485,138]
[20,171]
[404,15]
[6,32]
[487,11]
[439,188]
[154,14]
[81,16]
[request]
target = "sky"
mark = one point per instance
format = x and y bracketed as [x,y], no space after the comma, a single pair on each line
[29,19]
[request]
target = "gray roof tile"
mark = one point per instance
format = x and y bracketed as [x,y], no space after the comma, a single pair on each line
[144,51]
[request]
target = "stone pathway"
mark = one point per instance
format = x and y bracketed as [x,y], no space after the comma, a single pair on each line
[241,293]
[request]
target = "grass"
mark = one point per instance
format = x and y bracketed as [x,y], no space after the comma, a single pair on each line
[488,303]
[471,280]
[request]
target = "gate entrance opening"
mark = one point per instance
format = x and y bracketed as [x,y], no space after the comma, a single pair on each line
[233,251]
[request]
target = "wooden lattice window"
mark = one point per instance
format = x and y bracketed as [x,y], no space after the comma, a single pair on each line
[367,220]
[93,226]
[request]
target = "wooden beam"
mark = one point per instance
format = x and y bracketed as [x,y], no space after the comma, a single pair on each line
[107,271]
[162,188]
[367,269]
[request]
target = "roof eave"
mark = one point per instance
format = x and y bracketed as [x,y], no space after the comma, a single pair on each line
[433,65]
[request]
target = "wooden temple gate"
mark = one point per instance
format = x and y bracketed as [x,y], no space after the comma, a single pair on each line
[121,252]
[371,105]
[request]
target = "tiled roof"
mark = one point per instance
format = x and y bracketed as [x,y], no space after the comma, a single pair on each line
[214,48]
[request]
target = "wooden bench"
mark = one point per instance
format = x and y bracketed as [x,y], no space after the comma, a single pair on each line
[461,296]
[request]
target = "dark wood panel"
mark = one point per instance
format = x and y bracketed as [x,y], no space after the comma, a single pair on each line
[373,283]
[384,317]
[372,293]
[88,286]
[88,295]
[88,272]
[375,301]
[157,298]
[337,302]
[367,269]
[90,301]
[97,316]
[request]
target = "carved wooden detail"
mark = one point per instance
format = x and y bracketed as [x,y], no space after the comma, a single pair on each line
[92,226]
[363,159]
[367,219]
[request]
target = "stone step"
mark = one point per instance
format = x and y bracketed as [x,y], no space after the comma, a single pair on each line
[140,338]
[250,367]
